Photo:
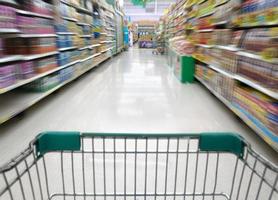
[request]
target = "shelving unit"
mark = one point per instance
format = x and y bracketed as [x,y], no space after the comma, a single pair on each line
[226,62]
[77,51]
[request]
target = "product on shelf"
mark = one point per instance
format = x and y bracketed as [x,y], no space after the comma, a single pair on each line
[7,75]
[7,17]
[222,37]
[28,46]
[262,41]
[45,64]
[43,84]
[263,72]
[223,59]
[34,25]
[225,10]
[205,8]
[258,107]
[26,70]
[205,23]
[66,74]
[181,45]
[67,26]
[218,82]
[64,41]
[257,12]
[203,38]
[38,6]
[66,57]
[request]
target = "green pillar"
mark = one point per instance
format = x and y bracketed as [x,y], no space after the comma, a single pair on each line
[187,69]
[183,65]
[184,68]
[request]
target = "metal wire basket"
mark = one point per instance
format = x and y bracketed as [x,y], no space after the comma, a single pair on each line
[106,166]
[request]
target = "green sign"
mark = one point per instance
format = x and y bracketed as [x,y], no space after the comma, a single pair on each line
[140,2]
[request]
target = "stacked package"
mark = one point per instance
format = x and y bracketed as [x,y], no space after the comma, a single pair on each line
[219,83]
[259,108]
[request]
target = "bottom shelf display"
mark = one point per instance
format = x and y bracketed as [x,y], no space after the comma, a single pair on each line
[15,102]
[257,110]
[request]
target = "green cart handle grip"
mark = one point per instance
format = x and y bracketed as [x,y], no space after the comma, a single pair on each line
[57,141]
[222,142]
[71,141]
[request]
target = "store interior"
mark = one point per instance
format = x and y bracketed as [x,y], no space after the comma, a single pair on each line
[139,70]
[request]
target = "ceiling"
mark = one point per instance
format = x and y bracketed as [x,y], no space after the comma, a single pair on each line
[152,11]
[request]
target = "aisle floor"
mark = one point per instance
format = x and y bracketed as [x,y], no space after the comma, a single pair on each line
[132,92]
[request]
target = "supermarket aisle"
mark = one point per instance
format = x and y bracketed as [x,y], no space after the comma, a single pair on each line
[133,92]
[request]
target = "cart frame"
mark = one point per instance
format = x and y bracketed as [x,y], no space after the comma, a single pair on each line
[31,166]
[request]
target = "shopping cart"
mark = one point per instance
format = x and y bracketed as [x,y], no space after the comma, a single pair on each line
[106,166]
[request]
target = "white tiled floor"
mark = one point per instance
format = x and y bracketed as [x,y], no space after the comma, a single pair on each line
[133,92]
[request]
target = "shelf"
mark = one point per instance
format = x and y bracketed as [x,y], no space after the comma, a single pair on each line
[88,58]
[221,71]
[68,48]
[95,45]
[10,58]
[229,48]
[221,3]
[207,14]
[202,1]
[70,19]
[255,56]
[76,7]
[23,12]
[266,134]
[89,47]
[85,36]
[26,57]
[110,29]
[257,86]
[66,33]
[36,56]
[32,35]
[26,81]
[83,24]
[204,45]
[109,41]
[221,98]
[97,54]
[9,30]
[106,50]
[9,2]
[205,30]
[19,101]
[66,2]
[269,24]
[220,23]
[84,10]
[242,79]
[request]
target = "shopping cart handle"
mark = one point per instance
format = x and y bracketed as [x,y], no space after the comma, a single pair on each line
[71,141]
[57,141]
[222,142]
